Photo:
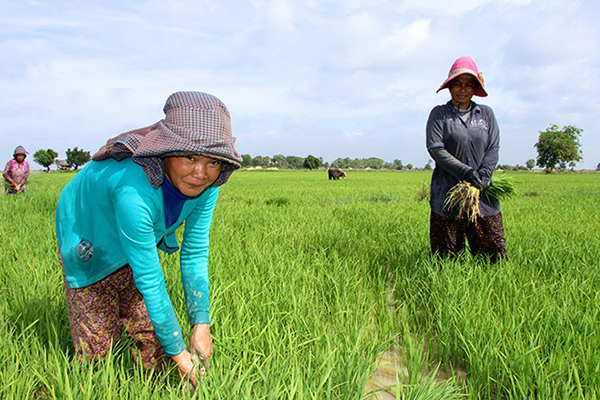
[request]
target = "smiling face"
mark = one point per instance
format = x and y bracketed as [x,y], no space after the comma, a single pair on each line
[19,158]
[462,89]
[192,174]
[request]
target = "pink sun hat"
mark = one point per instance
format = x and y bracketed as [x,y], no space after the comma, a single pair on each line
[465,65]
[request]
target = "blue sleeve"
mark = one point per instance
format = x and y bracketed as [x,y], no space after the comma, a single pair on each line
[135,224]
[194,258]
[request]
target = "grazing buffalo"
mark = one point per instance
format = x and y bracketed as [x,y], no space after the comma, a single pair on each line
[336,173]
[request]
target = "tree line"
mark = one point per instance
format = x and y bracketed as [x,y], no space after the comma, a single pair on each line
[557,149]
[312,162]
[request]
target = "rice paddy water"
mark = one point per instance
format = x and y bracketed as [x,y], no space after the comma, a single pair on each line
[318,285]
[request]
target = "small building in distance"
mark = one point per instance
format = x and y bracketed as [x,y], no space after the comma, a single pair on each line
[61,163]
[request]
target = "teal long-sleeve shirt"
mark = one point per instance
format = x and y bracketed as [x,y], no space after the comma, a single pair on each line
[112,205]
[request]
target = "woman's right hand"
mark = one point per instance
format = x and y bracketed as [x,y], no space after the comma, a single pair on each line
[187,368]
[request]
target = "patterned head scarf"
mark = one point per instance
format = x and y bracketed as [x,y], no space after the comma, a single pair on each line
[195,123]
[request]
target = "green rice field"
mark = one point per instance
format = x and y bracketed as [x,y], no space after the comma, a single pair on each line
[313,281]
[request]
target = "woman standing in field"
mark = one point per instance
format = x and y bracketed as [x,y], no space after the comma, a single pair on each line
[16,172]
[129,201]
[463,138]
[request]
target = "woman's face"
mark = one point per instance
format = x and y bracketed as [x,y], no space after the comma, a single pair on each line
[19,158]
[192,174]
[462,89]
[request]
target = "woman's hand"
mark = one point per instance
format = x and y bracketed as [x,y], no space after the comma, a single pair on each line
[11,182]
[201,344]
[187,368]
[474,179]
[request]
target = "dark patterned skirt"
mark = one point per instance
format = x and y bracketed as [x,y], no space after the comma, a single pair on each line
[98,311]
[485,236]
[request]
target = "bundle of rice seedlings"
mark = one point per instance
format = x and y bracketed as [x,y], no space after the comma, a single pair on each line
[502,188]
[465,196]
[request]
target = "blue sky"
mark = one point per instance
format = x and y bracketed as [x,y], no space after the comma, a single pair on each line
[329,78]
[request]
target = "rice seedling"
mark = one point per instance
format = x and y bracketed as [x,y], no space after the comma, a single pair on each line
[502,188]
[423,192]
[465,196]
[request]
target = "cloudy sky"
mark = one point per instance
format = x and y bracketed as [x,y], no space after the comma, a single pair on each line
[331,78]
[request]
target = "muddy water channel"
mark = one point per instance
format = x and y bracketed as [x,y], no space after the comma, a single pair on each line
[383,382]
[392,372]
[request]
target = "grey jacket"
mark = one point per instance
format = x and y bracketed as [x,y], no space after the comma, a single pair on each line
[457,147]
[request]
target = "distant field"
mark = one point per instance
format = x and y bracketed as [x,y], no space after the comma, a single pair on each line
[312,279]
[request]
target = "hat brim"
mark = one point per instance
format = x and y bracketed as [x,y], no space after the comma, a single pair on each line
[479,90]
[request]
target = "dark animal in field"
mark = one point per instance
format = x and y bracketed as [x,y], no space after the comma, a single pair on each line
[336,173]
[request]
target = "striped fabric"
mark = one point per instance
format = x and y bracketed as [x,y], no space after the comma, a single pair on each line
[195,123]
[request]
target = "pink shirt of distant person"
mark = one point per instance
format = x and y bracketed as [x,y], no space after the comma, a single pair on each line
[17,172]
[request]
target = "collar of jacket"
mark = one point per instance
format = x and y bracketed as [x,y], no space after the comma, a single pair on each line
[474,107]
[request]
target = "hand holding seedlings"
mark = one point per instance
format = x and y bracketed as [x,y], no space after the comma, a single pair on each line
[474,179]
[465,196]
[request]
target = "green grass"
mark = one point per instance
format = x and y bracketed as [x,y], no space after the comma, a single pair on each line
[312,279]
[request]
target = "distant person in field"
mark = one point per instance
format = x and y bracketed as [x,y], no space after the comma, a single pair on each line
[463,138]
[335,173]
[124,206]
[16,172]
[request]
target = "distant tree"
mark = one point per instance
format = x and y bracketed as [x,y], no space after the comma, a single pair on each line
[312,162]
[372,162]
[356,163]
[428,165]
[246,160]
[398,164]
[279,160]
[338,163]
[506,167]
[409,166]
[342,163]
[77,158]
[295,161]
[260,161]
[558,146]
[45,158]
[530,164]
